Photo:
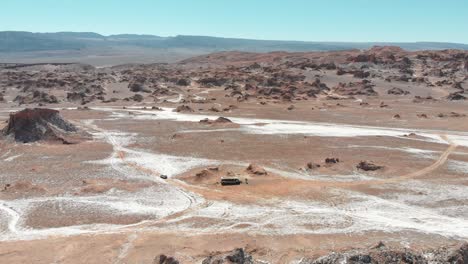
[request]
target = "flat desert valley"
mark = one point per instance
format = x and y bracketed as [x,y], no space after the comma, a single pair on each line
[337,154]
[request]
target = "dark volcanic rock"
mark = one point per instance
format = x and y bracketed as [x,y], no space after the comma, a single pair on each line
[368,166]
[237,256]
[32,125]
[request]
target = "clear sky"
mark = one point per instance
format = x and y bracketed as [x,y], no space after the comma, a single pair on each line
[312,20]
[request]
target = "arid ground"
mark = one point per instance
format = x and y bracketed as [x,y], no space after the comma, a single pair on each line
[335,151]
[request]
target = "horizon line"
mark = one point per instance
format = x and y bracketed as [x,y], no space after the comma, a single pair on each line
[240,38]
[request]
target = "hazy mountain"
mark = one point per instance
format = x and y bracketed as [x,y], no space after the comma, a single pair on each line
[95,49]
[14,41]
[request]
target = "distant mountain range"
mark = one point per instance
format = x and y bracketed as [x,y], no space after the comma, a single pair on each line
[19,41]
[98,50]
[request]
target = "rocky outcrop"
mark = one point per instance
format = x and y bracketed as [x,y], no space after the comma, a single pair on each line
[184,108]
[163,259]
[397,91]
[31,125]
[383,254]
[456,96]
[137,87]
[356,88]
[237,256]
[183,82]
[332,160]
[35,98]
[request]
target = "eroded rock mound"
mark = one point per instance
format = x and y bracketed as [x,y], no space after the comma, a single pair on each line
[30,125]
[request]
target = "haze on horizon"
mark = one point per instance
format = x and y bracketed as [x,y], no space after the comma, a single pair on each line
[334,20]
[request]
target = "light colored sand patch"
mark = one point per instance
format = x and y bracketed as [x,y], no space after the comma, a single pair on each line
[176,100]
[12,158]
[362,213]
[284,127]
[458,166]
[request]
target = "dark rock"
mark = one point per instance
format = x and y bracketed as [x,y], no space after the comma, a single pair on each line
[368,166]
[163,259]
[183,82]
[237,256]
[456,96]
[183,108]
[138,87]
[332,160]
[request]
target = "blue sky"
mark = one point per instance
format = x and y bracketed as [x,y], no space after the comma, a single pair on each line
[312,20]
